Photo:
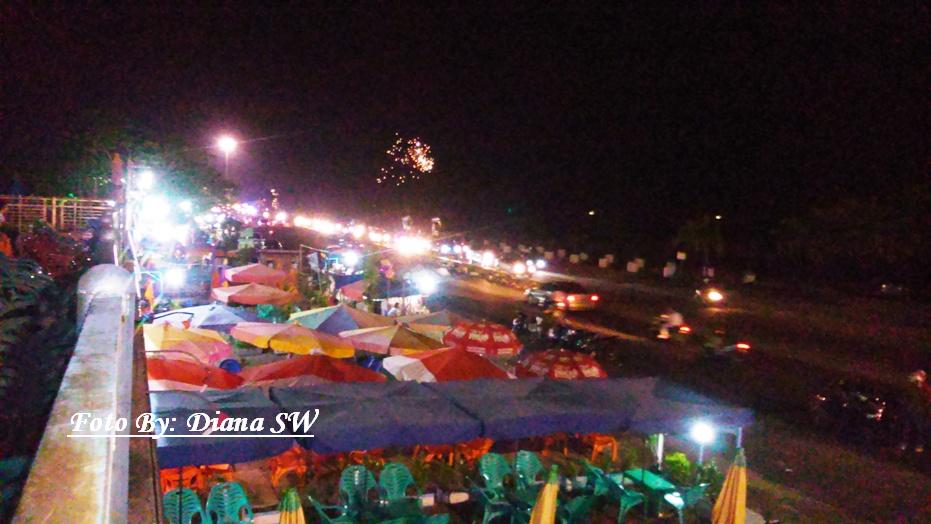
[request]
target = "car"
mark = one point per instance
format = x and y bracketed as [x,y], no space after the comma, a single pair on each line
[563,295]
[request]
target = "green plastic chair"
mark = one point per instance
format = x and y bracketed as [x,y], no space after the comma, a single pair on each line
[684,499]
[226,504]
[493,469]
[355,484]
[529,471]
[606,487]
[181,506]
[342,514]
[395,479]
[576,510]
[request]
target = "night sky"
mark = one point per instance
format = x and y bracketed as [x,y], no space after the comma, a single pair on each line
[651,116]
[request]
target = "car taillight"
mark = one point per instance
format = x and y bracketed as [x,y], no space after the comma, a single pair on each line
[685,330]
[560,304]
[571,298]
[595,298]
[743,346]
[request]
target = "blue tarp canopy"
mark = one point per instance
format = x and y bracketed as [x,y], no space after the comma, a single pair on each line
[515,409]
[177,406]
[360,416]
[662,406]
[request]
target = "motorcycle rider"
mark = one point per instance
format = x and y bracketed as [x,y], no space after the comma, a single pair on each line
[670,319]
[917,411]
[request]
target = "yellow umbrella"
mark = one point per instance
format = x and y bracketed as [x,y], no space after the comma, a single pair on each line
[433,331]
[731,506]
[289,509]
[206,345]
[291,338]
[544,511]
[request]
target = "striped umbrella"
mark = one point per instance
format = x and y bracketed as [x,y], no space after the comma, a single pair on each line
[205,345]
[289,509]
[731,506]
[442,365]
[291,338]
[390,340]
[483,338]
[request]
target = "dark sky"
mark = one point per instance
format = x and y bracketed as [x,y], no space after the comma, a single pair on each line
[650,115]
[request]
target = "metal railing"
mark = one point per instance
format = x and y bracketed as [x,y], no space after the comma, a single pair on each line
[63,214]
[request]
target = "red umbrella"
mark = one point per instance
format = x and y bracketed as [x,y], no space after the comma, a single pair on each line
[183,375]
[560,364]
[255,274]
[440,365]
[483,338]
[308,370]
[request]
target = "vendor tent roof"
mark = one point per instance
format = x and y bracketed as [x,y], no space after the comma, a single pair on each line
[177,406]
[371,415]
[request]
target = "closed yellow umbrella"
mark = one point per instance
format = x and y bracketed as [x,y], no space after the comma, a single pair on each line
[289,509]
[291,338]
[544,511]
[731,506]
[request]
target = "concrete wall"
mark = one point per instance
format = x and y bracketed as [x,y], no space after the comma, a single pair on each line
[85,479]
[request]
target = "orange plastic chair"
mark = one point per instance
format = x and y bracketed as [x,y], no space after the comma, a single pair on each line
[374,455]
[556,439]
[321,462]
[290,461]
[474,449]
[224,470]
[599,443]
[188,477]
[431,453]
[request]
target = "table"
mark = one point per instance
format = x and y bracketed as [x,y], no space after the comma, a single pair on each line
[654,485]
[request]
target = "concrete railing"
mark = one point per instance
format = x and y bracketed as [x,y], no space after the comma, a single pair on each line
[86,479]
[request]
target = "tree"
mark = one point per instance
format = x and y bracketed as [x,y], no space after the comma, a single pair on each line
[702,235]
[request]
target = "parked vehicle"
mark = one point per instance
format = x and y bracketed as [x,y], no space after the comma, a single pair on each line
[857,411]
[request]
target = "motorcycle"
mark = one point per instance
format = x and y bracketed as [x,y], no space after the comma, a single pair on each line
[718,344]
[709,296]
[676,334]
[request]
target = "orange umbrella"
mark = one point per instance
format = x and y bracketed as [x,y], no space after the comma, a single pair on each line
[252,295]
[255,274]
[390,340]
[183,375]
[308,370]
[291,338]
[204,345]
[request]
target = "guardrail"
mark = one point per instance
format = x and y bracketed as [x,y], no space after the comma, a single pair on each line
[87,479]
[63,214]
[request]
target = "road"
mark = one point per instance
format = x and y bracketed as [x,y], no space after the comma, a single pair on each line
[790,361]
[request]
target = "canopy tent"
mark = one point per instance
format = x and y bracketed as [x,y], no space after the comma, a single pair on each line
[253,295]
[334,319]
[183,375]
[514,409]
[484,338]
[213,316]
[308,370]
[560,364]
[202,345]
[441,365]
[176,406]
[390,340]
[255,274]
[663,406]
[366,415]
[291,338]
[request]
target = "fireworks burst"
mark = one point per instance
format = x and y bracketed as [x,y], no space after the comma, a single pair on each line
[408,160]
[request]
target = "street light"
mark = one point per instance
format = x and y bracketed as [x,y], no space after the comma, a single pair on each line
[145,180]
[227,145]
[703,434]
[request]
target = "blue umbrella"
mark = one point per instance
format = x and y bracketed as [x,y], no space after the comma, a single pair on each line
[214,316]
